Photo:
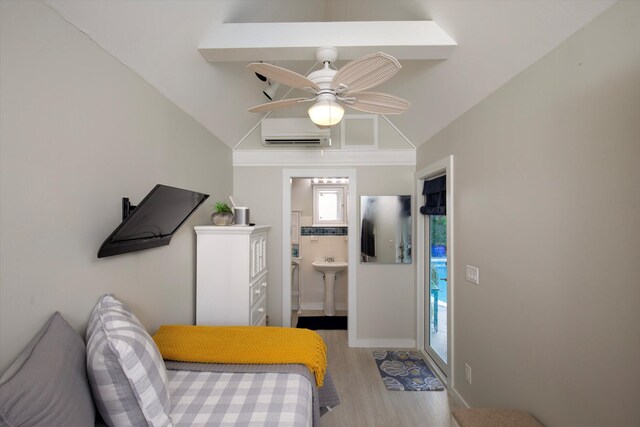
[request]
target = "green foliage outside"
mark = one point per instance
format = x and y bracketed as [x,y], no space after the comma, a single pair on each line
[438,237]
[438,230]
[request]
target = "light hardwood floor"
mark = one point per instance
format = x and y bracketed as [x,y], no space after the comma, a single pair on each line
[364,399]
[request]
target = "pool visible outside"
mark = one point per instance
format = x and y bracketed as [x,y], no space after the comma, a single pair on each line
[438,321]
[441,267]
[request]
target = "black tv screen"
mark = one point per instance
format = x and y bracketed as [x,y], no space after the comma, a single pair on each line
[153,222]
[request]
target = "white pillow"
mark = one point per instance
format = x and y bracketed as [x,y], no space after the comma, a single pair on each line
[126,372]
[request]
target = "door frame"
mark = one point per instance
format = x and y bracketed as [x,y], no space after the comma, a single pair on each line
[441,167]
[352,246]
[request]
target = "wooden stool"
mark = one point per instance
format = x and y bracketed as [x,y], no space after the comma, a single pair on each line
[491,417]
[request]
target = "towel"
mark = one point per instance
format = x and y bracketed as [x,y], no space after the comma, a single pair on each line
[243,345]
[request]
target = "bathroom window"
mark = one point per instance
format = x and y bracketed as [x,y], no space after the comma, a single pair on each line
[329,205]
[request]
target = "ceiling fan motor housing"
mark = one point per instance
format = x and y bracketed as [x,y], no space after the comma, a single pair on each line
[324,76]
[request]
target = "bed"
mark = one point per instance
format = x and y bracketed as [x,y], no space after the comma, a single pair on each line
[227,399]
[122,380]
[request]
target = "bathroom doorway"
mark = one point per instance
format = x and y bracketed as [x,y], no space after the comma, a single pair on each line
[319,248]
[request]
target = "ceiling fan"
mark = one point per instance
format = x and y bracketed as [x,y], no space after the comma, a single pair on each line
[330,87]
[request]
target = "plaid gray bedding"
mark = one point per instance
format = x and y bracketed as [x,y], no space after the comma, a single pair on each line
[324,398]
[250,399]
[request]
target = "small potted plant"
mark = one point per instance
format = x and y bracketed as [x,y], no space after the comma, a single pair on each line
[222,214]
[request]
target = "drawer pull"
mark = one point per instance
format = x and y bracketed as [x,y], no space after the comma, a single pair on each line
[257,291]
[261,310]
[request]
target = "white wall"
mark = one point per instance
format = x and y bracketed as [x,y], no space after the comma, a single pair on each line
[78,131]
[312,281]
[385,293]
[547,206]
[302,196]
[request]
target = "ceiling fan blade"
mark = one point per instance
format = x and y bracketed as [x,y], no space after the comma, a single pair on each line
[282,75]
[376,102]
[366,72]
[275,105]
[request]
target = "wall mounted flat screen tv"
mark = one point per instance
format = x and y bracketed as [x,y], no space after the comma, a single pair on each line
[153,221]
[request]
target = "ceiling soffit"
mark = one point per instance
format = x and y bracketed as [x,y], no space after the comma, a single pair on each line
[282,41]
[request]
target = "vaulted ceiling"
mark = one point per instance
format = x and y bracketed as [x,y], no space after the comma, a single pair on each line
[496,40]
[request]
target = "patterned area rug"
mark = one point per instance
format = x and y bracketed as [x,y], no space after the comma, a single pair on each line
[405,371]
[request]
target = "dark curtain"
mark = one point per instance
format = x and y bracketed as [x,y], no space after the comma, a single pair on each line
[435,193]
[405,206]
[368,238]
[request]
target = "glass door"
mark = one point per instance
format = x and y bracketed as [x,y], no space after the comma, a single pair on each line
[436,275]
[435,259]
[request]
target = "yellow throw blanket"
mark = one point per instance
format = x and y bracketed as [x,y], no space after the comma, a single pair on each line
[243,345]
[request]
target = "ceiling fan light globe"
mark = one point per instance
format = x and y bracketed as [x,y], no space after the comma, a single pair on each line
[326,113]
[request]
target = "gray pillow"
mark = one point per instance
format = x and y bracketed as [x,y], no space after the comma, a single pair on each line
[47,385]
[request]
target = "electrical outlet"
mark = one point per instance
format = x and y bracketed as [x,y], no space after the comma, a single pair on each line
[467,373]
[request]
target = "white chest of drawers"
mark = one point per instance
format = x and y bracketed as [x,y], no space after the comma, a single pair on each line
[231,275]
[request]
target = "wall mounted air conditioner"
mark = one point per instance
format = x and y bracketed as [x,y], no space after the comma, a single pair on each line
[294,133]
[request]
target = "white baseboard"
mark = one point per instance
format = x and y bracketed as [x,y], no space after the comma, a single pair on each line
[458,398]
[385,343]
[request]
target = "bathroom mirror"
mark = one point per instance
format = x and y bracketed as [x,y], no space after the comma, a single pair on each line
[385,229]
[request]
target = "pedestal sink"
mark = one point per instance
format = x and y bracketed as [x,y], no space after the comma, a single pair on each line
[329,269]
